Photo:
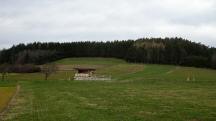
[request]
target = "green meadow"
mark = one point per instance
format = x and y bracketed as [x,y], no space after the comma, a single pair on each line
[136,92]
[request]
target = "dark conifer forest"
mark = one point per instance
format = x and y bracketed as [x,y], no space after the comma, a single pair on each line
[175,51]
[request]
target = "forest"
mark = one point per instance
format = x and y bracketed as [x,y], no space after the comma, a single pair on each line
[174,51]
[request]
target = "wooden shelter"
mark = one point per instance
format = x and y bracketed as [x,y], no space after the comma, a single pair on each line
[85,70]
[88,74]
[84,73]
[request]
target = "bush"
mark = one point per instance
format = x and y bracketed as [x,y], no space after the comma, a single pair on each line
[23,69]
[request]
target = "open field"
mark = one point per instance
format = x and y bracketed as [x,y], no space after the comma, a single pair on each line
[136,92]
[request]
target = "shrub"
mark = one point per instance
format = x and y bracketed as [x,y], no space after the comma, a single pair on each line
[28,68]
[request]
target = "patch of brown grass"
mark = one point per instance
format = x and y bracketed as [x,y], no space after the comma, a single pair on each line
[6,94]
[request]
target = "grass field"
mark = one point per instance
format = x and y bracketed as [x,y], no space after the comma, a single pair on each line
[136,92]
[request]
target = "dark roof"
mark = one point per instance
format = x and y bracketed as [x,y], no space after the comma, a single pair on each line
[85,69]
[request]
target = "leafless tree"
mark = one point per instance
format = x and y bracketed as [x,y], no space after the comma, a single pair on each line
[4,69]
[214,60]
[48,69]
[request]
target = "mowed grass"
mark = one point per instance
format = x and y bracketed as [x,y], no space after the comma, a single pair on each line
[137,92]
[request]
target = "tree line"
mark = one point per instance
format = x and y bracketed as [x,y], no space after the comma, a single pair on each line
[175,51]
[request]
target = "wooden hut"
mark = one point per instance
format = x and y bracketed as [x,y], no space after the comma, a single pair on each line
[84,73]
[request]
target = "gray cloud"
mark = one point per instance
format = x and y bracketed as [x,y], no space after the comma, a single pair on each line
[75,20]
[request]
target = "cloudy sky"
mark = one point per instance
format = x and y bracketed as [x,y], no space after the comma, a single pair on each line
[25,21]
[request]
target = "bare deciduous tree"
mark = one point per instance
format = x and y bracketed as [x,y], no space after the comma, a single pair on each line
[48,69]
[214,61]
[4,68]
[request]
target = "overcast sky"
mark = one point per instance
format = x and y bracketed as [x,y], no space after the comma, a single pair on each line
[25,21]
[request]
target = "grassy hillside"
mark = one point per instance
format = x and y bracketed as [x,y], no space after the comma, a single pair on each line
[136,92]
[90,61]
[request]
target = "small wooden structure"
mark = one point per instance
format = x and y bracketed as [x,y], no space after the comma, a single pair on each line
[84,73]
[88,74]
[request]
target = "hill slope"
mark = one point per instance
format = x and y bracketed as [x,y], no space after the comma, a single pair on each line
[136,92]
